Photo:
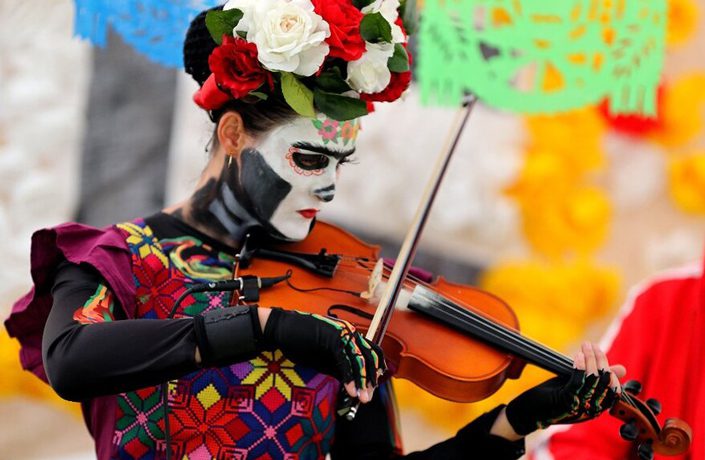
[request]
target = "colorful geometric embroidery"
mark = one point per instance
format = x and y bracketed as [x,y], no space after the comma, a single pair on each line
[198,260]
[265,408]
[273,370]
[98,308]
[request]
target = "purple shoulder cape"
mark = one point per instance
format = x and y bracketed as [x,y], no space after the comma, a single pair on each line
[103,249]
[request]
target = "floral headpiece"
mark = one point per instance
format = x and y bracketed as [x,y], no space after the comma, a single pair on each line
[331,56]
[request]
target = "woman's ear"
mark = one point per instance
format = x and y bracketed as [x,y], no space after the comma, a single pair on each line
[231,133]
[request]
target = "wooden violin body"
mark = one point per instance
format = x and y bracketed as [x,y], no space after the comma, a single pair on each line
[444,362]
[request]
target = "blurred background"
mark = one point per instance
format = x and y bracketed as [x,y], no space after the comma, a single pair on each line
[557,214]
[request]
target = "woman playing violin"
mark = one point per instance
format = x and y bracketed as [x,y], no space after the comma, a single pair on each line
[285,86]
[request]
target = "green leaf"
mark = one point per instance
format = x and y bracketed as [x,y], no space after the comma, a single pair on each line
[374,28]
[360,4]
[260,95]
[339,107]
[222,22]
[331,80]
[399,62]
[297,95]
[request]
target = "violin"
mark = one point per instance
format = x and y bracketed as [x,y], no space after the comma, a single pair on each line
[455,341]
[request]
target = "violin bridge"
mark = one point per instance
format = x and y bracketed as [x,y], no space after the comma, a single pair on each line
[374,281]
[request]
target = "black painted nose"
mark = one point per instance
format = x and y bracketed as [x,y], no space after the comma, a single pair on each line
[325,194]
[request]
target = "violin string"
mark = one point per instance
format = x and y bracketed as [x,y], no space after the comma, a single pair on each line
[545,354]
[562,360]
[550,355]
[516,339]
[542,354]
[558,359]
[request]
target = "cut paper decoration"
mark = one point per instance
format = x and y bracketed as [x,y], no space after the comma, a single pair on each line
[155,28]
[543,56]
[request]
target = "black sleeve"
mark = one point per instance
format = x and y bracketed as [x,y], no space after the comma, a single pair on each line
[367,438]
[87,360]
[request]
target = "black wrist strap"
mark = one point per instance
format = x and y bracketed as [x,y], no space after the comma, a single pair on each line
[228,335]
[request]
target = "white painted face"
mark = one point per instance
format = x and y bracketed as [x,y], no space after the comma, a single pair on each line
[306,154]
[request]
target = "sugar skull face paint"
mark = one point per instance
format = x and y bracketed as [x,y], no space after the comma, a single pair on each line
[286,177]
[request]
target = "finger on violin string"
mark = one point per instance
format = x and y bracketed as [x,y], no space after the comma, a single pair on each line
[618,371]
[601,358]
[579,360]
[590,358]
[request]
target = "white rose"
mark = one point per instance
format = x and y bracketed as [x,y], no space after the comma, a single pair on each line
[390,11]
[289,35]
[370,74]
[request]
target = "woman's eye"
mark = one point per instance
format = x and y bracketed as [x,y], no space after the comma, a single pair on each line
[310,162]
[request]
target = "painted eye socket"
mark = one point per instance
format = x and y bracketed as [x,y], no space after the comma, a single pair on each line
[310,161]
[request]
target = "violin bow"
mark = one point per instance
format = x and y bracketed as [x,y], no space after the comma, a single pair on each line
[395,282]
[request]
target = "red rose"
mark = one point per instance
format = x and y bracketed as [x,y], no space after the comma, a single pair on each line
[397,85]
[236,68]
[343,18]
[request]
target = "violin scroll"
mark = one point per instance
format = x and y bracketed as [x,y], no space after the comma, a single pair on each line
[642,426]
[675,437]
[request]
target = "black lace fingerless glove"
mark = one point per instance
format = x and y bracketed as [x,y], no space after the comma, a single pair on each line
[566,399]
[329,345]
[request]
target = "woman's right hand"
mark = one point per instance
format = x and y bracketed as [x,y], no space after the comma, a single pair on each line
[330,345]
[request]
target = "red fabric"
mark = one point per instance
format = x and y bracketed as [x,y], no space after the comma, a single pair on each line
[660,341]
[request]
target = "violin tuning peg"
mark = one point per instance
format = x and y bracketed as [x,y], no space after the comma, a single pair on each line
[629,431]
[645,451]
[632,387]
[654,405]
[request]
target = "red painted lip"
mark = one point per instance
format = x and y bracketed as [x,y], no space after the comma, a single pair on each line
[308,213]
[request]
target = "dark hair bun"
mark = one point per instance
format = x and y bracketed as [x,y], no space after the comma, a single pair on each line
[198,45]
[257,116]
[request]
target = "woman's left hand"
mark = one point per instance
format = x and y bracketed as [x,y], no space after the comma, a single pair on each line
[592,388]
